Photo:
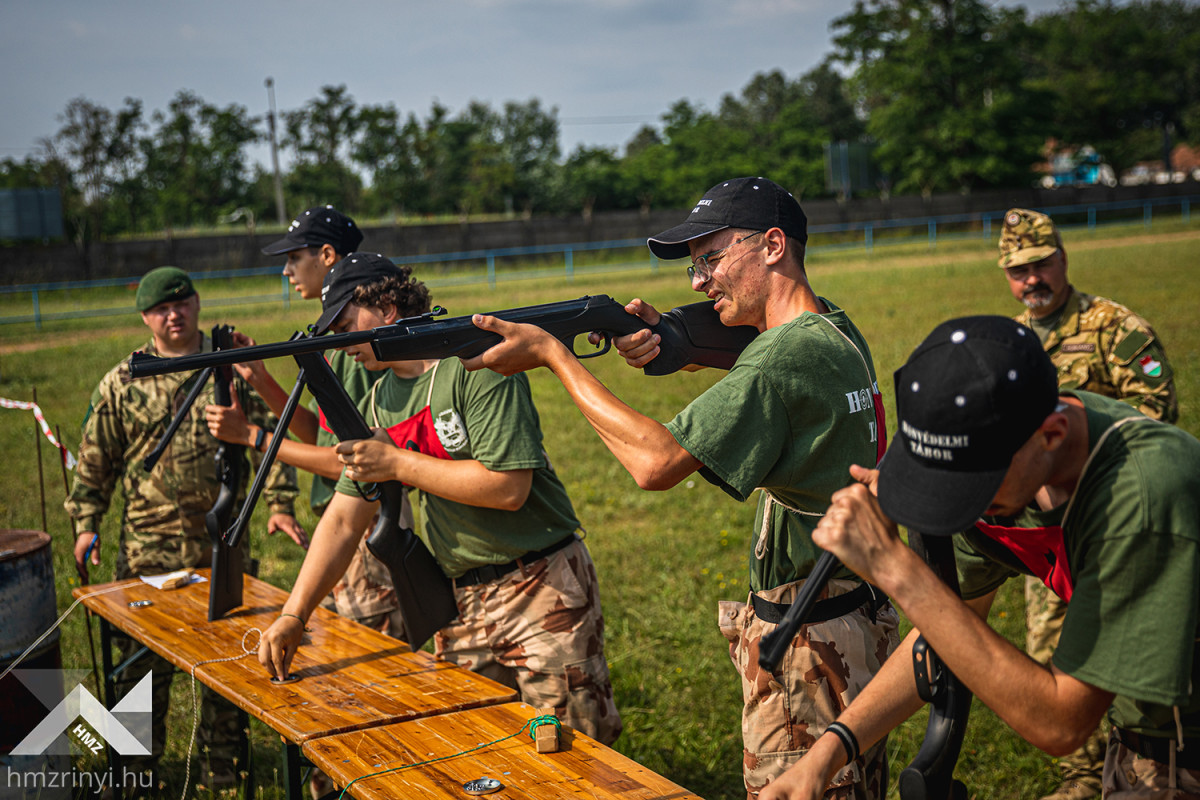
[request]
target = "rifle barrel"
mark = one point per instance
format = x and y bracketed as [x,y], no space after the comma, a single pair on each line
[144,366]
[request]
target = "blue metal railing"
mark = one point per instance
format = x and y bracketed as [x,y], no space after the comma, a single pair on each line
[865,236]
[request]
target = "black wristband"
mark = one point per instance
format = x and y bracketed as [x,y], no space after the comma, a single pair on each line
[258,440]
[847,737]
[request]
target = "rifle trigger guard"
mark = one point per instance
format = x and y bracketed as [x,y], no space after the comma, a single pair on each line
[927,670]
[605,346]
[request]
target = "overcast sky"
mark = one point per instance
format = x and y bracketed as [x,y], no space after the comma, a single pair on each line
[608,66]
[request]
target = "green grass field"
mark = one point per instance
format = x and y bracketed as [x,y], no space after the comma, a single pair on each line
[664,559]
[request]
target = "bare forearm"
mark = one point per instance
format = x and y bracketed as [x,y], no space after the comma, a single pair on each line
[643,445]
[334,544]
[464,481]
[304,424]
[1047,707]
[321,461]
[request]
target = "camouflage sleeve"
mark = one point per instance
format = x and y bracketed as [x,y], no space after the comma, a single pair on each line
[281,488]
[1140,371]
[101,460]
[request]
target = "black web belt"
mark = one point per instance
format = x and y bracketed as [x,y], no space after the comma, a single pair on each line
[491,572]
[824,610]
[1159,748]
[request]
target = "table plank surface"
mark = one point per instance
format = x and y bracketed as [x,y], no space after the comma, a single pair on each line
[583,768]
[350,676]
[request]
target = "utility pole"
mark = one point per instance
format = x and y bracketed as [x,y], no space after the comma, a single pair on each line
[280,211]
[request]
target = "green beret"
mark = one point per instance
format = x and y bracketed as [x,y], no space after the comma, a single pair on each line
[162,284]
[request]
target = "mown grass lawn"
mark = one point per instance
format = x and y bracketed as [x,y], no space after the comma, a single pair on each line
[666,558]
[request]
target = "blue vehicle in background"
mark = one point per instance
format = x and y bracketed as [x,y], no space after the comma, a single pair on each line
[1083,167]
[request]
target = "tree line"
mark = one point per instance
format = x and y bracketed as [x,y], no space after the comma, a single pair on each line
[948,95]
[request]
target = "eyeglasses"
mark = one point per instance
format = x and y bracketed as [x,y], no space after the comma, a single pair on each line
[702,267]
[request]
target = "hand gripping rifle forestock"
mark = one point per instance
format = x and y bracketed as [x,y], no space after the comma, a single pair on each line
[424,593]
[691,334]
[930,776]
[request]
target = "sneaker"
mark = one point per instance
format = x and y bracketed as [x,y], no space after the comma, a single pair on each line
[1075,790]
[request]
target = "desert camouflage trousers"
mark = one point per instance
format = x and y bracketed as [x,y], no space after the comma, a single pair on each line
[540,630]
[826,667]
[1044,612]
[1129,776]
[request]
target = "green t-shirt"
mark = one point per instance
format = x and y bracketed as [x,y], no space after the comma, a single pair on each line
[357,381]
[452,413]
[792,415]
[1130,534]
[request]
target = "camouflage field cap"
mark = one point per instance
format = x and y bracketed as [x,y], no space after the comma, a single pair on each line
[162,284]
[1027,236]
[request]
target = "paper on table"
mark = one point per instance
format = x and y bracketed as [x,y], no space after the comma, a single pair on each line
[157,581]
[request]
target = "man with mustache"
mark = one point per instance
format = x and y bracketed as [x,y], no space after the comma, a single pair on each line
[1098,346]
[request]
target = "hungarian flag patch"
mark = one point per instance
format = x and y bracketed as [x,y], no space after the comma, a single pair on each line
[1151,367]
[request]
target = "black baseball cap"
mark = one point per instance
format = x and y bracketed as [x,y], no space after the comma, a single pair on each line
[756,204]
[356,269]
[967,400]
[318,226]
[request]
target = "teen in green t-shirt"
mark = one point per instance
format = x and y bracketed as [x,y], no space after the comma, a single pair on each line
[494,513]
[1100,502]
[795,411]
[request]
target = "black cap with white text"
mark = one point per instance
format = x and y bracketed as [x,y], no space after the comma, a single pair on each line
[967,400]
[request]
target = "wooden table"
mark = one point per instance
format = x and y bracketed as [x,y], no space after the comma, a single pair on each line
[582,768]
[350,676]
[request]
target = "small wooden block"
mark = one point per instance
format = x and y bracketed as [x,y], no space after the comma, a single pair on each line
[545,738]
[176,579]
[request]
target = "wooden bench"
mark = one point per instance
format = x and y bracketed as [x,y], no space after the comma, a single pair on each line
[582,767]
[349,676]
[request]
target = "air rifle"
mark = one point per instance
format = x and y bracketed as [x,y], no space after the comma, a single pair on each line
[930,776]
[225,592]
[691,334]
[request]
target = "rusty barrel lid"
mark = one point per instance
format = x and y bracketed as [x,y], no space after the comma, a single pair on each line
[16,542]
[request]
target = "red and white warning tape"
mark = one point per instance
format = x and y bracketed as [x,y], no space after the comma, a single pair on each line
[21,405]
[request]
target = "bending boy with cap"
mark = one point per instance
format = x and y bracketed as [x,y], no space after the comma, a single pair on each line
[1097,346]
[315,241]
[162,524]
[494,513]
[1097,500]
[795,411]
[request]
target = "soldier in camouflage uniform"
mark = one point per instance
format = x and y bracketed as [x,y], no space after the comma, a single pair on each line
[494,513]
[1098,346]
[162,525]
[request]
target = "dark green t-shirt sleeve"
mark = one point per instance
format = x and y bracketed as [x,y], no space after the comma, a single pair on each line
[983,565]
[738,429]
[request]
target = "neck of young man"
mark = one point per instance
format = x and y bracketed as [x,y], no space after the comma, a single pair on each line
[411,369]
[1070,458]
